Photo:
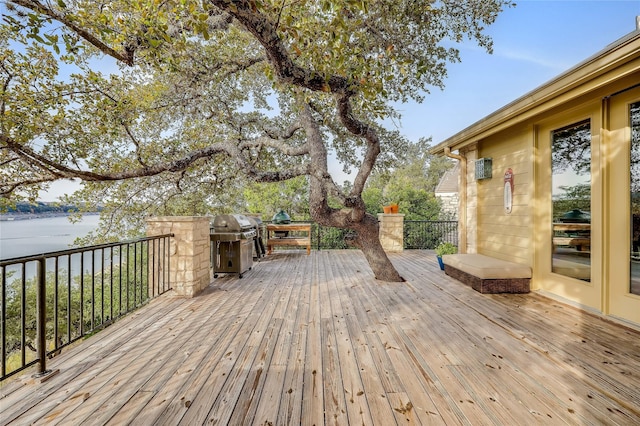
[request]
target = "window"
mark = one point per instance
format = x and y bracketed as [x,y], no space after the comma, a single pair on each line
[571,200]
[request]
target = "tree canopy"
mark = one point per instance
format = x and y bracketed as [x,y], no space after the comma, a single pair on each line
[209,94]
[410,183]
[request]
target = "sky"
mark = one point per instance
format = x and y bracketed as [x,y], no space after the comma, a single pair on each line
[533,42]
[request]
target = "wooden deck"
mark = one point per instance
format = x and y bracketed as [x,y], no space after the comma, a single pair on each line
[316,340]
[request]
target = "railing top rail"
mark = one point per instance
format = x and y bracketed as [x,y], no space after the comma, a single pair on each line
[430,221]
[69,300]
[33,257]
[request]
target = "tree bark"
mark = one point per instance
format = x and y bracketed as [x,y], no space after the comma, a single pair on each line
[354,217]
[368,240]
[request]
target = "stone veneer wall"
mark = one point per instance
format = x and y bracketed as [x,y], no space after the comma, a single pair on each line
[391,232]
[189,252]
[450,202]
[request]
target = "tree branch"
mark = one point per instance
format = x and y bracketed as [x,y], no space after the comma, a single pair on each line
[278,175]
[3,105]
[369,134]
[280,145]
[61,171]
[135,142]
[7,188]
[287,71]
[265,31]
[127,56]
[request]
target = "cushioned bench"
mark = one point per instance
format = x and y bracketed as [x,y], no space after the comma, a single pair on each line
[487,274]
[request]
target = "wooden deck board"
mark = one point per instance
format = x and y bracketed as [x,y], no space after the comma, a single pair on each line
[316,340]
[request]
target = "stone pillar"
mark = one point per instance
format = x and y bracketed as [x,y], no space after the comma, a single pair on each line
[391,232]
[189,252]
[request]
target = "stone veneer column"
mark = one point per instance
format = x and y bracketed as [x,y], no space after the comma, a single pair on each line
[189,252]
[391,232]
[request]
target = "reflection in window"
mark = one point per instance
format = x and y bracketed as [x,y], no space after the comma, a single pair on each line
[571,198]
[634,114]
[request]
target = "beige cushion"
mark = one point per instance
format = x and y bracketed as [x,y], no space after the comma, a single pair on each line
[486,267]
[572,269]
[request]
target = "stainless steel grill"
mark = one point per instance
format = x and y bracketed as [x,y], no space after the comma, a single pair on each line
[232,242]
[258,246]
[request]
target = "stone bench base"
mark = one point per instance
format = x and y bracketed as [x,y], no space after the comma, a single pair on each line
[488,275]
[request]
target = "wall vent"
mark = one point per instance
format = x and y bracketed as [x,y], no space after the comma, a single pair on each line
[483,168]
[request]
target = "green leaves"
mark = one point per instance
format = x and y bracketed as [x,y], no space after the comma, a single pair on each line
[215,76]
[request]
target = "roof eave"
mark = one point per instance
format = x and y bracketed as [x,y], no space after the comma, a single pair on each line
[616,54]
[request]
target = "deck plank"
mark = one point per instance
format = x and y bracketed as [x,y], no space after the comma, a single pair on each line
[313,389]
[83,371]
[290,406]
[165,383]
[268,402]
[317,340]
[556,339]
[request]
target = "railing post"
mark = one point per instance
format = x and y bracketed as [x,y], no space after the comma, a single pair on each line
[41,323]
[391,232]
[189,254]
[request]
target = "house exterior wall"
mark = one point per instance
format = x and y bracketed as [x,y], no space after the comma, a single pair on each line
[471,207]
[518,137]
[501,234]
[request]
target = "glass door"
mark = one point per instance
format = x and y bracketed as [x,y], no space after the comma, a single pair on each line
[624,206]
[571,200]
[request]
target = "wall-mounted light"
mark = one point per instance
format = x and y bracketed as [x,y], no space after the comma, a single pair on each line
[483,168]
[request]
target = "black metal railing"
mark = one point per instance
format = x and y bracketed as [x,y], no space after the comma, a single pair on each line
[51,300]
[427,234]
[322,237]
[418,234]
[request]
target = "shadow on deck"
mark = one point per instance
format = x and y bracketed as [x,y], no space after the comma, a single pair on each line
[316,340]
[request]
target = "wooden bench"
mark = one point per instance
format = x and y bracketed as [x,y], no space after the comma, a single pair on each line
[487,274]
[578,242]
[576,235]
[298,241]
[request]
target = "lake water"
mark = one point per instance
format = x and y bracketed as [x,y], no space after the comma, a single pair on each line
[42,235]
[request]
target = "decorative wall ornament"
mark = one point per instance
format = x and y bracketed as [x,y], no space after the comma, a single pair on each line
[508,190]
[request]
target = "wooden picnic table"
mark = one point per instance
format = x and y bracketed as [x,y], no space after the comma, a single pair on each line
[294,240]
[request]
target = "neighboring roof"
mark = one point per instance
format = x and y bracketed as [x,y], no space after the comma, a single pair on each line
[449,181]
[614,55]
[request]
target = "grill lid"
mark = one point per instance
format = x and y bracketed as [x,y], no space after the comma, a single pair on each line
[281,218]
[231,223]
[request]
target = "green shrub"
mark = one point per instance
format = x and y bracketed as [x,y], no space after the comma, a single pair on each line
[446,248]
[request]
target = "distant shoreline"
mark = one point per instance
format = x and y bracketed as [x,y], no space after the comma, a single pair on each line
[7,217]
